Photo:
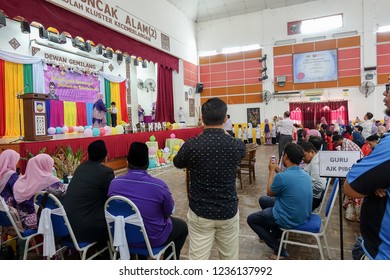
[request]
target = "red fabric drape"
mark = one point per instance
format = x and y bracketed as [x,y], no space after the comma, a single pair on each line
[123,97]
[56,113]
[81,119]
[51,15]
[2,99]
[311,113]
[164,103]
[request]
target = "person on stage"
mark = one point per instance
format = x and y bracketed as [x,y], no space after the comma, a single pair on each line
[99,112]
[141,113]
[114,113]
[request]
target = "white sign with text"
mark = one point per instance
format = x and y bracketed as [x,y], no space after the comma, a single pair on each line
[337,163]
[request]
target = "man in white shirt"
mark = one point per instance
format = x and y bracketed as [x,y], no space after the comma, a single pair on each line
[367,125]
[182,118]
[310,157]
[228,125]
[285,127]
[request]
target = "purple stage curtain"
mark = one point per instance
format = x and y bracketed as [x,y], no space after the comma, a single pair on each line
[51,15]
[56,113]
[309,113]
[164,103]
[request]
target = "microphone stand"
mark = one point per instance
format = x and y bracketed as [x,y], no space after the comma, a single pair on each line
[21,138]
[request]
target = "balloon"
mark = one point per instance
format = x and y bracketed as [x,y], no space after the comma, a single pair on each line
[152,151]
[95,131]
[152,164]
[71,129]
[161,160]
[166,150]
[175,126]
[102,131]
[108,130]
[88,132]
[51,130]
[80,129]
[65,129]
[114,131]
[152,138]
[173,135]
[58,130]
[119,129]
[159,153]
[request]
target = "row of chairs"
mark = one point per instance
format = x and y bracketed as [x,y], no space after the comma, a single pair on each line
[123,220]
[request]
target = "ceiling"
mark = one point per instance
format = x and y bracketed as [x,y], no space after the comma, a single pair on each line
[206,10]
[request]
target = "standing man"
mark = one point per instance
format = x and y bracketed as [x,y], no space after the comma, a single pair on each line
[369,179]
[367,125]
[212,159]
[180,113]
[288,203]
[285,128]
[228,126]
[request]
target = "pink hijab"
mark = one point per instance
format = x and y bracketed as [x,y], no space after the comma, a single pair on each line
[8,160]
[38,177]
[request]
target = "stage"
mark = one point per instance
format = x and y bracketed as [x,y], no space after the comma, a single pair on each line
[117,145]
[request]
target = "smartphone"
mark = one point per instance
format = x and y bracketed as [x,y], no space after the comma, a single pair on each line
[273,159]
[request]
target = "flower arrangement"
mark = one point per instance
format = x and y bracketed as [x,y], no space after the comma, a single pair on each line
[66,161]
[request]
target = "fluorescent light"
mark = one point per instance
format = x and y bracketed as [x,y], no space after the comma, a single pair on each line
[344,34]
[321,24]
[285,42]
[231,50]
[208,53]
[311,39]
[385,28]
[250,47]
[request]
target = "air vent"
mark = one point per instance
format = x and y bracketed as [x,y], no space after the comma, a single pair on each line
[315,92]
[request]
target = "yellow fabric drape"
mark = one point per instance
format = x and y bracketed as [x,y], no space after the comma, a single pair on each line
[70,113]
[13,76]
[115,96]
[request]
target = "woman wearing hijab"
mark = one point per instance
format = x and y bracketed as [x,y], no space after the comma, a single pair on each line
[8,175]
[38,177]
[99,111]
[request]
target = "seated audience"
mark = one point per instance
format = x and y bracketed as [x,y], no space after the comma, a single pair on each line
[357,136]
[153,199]
[289,200]
[8,175]
[38,177]
[86,195]
[310,157]
[344,144]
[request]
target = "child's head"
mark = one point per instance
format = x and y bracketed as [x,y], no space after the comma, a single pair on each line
[113,104]
[239,126]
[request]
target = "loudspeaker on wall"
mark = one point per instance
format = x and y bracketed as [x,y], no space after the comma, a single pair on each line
[199,88]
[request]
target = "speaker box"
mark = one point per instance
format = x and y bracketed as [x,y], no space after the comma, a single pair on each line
[199,88]
[3,21]
[99,49]
[43,33]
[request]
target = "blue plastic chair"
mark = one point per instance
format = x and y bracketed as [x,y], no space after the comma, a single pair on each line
[319,208]
[27,236]
[62,229]
[119,207]
[315,227]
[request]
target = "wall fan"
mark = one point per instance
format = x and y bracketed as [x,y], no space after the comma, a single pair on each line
[140,84]
[267,96]
[367,88]
[150,85]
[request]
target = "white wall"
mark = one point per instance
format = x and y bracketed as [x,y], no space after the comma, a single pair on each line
[270,25]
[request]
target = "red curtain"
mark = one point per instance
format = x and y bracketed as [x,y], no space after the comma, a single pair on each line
[123,98]
[81,118]
[164,102]
[2,99]
[51,15]
[309,114]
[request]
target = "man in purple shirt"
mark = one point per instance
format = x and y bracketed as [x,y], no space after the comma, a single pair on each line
[153,199]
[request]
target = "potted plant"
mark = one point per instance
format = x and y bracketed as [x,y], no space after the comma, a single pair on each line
[66,161]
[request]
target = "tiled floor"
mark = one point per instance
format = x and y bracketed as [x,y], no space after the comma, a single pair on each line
[251,248]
